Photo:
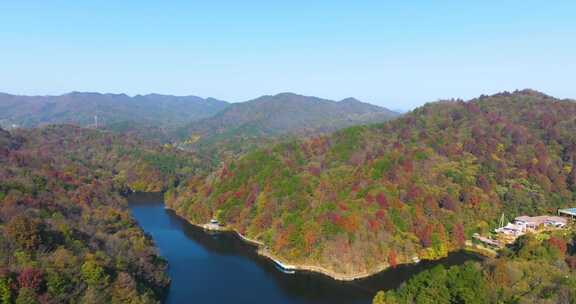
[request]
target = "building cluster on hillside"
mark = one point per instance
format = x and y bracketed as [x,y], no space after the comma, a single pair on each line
[527,224]
[524,224]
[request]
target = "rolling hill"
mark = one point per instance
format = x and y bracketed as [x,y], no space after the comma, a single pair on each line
[65,232]
[244,125]
[368,197]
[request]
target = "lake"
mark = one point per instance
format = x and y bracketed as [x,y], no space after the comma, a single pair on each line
[221,268]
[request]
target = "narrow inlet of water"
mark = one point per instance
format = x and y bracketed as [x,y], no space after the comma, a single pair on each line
[221,268]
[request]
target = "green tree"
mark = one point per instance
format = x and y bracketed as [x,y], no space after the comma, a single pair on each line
[384,298]
[466,284]
[5,292]
[93,274]
[379,298]
[26,296]
[58,285]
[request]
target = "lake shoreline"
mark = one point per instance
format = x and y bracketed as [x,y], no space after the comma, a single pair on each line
[262,251]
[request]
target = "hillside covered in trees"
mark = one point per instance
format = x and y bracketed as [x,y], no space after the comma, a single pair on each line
[378,195]
[66,235]
[535,269]
[242,126]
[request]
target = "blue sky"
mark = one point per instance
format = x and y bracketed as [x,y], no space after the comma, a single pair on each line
[399,54]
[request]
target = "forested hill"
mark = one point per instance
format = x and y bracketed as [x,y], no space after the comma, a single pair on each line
[535,269]
[113,110]
[245,124]
[65,233]
[381,194]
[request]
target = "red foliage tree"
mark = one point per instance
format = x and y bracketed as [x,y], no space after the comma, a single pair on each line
[458,235]
[350,223]
[310,239]
[314,170]
[374,225]
[239,193]
[370,199]
[430,205]
[413,193]
[407,165]
[392,258]
[425,235]
[449,203]
[30,278]
[483,183]
[380,214]
[558,243]
[335,218]
[382,201]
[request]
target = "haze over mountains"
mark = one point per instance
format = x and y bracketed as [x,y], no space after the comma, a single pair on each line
[289,112]
[245,124]
[80,108]
[168,118]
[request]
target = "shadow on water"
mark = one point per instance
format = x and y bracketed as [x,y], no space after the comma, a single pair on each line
[220,267]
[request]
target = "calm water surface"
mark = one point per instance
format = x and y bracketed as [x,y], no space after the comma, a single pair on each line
[220,268]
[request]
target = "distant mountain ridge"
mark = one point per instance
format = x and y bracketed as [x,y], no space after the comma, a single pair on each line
[80,108]
[281,115]
[211,122]
[287,112]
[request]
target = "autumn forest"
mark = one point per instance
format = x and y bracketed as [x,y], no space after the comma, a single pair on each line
[347,196]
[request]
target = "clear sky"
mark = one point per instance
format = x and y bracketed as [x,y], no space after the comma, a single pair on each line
[399,54]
